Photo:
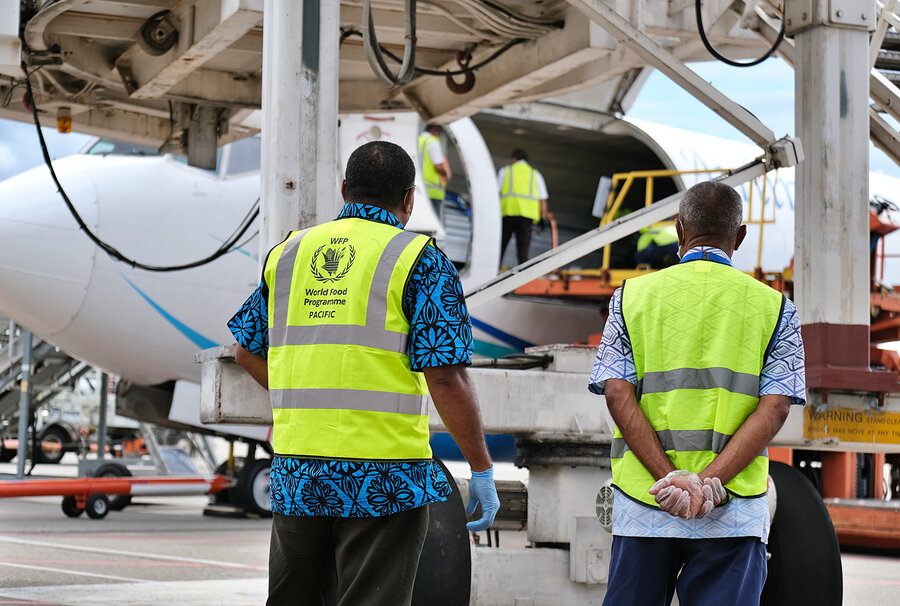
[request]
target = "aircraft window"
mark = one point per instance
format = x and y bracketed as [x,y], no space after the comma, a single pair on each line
[244,156]
[106,146]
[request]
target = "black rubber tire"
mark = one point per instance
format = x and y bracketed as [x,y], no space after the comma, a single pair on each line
[252,489]
[7,454]
[805,567]
[447,542]
[71,508]
[97,506]
[117,502]
[52,434]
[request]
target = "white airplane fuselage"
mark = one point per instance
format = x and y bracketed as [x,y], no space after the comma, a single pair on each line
[146,326]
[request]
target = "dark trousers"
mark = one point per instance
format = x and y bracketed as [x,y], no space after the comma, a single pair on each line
[705,572]
[324,561]
[521,226]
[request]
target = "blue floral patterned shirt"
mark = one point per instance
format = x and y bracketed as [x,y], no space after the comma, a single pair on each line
[440,334]
[783,373]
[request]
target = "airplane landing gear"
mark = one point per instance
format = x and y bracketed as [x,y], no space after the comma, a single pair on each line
[805,567]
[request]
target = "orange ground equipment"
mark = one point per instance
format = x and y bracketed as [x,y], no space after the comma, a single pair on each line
[90,494]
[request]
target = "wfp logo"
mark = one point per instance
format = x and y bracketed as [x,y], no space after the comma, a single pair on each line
[332,263]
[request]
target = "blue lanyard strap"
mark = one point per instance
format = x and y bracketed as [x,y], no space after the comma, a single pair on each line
[705,256]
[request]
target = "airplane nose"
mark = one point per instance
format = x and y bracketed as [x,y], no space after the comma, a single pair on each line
[45,260]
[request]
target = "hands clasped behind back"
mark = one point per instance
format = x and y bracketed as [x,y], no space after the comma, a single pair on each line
[683,494]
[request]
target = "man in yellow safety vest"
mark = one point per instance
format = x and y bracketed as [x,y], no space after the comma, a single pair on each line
[523,202]
[434,166]
[699,364]
[355,322]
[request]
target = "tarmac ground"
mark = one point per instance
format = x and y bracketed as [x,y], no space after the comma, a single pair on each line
[163,550]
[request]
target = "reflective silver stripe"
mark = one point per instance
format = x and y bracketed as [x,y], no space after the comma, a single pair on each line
[349,399]
[700,378]
[376,309]
[372,334]
[339,334]
[684,440]
[510,193]
[284,273]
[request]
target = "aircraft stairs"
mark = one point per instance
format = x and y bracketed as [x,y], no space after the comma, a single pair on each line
[52,371]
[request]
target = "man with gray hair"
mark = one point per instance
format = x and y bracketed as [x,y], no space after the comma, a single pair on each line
[699,364]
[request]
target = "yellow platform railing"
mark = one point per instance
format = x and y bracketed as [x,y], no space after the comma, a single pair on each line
[618,192]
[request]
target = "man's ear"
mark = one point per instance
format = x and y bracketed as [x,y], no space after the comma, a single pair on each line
[742,233]
[409,199]
[344,189]
[679,229]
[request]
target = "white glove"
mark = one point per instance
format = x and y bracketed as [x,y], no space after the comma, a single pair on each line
[685,487]
[717,492]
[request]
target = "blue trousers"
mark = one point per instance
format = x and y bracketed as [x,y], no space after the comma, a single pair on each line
[705,572]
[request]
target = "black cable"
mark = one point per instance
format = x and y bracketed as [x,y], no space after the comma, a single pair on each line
[109,249]
[723,59]
[434,72]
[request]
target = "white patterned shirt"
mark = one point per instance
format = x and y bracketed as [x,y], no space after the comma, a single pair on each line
[782,373]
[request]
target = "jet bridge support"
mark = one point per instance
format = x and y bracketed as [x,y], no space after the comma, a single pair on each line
[24,405]
[831,231]
[299,103]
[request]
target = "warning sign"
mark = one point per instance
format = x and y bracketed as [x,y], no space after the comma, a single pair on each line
[852,425]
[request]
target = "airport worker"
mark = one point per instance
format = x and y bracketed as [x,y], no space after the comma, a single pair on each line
[354,323]
[699,364]
[523,203]
[657,246]
[434,166]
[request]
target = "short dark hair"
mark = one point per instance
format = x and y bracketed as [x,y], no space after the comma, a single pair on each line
[434,127]
[711,208]
[379,173]
[519,154]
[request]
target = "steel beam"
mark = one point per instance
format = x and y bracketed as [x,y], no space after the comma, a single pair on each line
[24,406]
[884,136]
[523,68]
[831,236]
[300,98]
[211,27]
[664,61]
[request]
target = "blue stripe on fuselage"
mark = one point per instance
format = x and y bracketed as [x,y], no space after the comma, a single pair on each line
[195,337]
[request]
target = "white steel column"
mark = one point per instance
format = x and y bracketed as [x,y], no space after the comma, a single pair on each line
[832,226]
[299,182]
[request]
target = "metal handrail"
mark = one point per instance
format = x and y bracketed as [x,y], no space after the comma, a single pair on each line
[616,198]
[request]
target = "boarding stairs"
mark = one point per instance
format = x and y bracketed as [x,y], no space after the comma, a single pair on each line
[52,370]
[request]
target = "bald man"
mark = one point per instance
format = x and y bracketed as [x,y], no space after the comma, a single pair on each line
[699,364]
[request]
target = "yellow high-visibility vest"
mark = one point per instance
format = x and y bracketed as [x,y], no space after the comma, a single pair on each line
[700,332]
[519,195]
[340,382]
[661,234]
[433,186]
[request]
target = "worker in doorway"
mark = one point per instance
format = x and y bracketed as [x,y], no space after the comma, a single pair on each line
[699,364]
[523,203]
[435,167]
[355,322]
[657,246]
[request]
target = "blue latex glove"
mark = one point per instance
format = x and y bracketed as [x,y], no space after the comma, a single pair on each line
[482,490]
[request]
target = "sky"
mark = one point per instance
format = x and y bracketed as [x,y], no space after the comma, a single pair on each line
[663,101]
[660,100]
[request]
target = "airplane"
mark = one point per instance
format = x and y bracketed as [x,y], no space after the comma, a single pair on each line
[146,326]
